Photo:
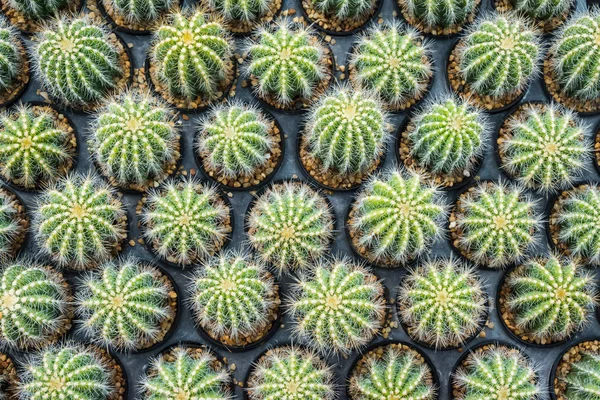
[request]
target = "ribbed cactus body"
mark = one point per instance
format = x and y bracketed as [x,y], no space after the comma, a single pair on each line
[38,10]
[13,224]
[11,59]
[542,10]
[436,15]
[583,380]
[241,10]
[141,10]
[344,9]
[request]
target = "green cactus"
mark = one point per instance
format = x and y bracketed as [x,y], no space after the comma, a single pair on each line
[290,226]
[542,10]
[439,15]
[186,221]
[141,10]
[134,140]
[79,222]
[13,224]
[291,373]
[396,217]
[393,62]
[443,303]
[344,9]
[338,307]
[241,10]
[11,58]
[583,380]
[39,10]
[546,149]
[34,304]
[76,61]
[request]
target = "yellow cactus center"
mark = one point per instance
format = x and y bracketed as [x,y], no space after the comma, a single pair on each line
[503,393]
[333,302]
[597,39]
[78,211]
[184,220]
[187,37]
[457,124]
[508,43]
[288,232]
[561,294]
[66,44]
[551,148]
[133,124]
[443,297]
[404,209]
[183,395]
[227,285]
[500,221]
[118,301]
[229,132]
[26,143]
[9,300]
[285,54]
[394,62]
[350,111]
[56,383]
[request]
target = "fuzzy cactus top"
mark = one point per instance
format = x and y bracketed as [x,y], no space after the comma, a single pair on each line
[583,380]
[11,59]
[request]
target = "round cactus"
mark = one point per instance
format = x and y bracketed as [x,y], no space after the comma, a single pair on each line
[291,373]
[127,305]
[185,221]
[395,218]
[34,305]
[139,11]
[393,62]
[494,224]
[134,140]
[439,17]
[583,379]
[290,225]
[13,224]
[79,222]
[235,298]
[442,303]
[547,13]
[12,59]
[339,306]
[543,147]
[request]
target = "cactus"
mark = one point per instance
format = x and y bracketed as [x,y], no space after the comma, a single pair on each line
[141,10]
[290,225]
[443,303]
[344,10]
[36,146]
[338,307]
[498,372]
[192,54]
[134,139]
[34,304]
[439,15]
[396,217]
[542,10]
[187,374]
[496,224]
[13,224]
[126,305]
[186,221]
[551,299]
[11,58]
[79,222]
[38,10]
[583,380]
[241,10]
[76,61]
[291,373]
[546,149]
[394,62]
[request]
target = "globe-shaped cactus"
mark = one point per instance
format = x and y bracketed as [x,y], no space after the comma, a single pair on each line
[127,305]
[438,17]
[442,303]
[583,379]
[34,304]
[134,140]
[79,222]
[13,224]
[13,63]
[291,373]
[235,298]
[548,14]
[290,225]
[339,306]
[395,218]
[137,12]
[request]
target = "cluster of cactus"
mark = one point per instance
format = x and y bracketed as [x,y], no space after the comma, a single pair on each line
[185,221]
[79,221]
[76,61]
[141,10]
[241,10]
[396,217]
[34,305]
[347,131]
[291,373]
[546,149]
[290,225]
[134,139]
[11,59]
[338,307]
[583,379]
[344,10]
[235,140]
[497,224]
[443,303]
[394,63]
[11,225]
[192,55]
[436,15]
[186,373]
[551,298]
[287,60]
[542,10]
[126,305]
[499,56]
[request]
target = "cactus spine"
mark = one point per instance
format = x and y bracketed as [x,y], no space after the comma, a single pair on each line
[141,10]
[439,16]
[583,380]
[542,10]
[13,224]
[241,10]
[11,59]
[344,9]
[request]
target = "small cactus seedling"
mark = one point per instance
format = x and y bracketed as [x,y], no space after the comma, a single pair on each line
[439,17]
[235,298]
[442,303]
[494,224]
[37,145]
[583,379]
[186,221]
[393,62]
[139,11]
[134,140]
[290,225]
[395,218]
[79,222]
[13,224]
[127,305]
[544,147]
[34,304]
[291,373]
[12,59]
[339,306]
[549,299]
[546,13]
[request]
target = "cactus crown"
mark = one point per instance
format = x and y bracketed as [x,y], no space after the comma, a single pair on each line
[393,62]
[583,380]
[134,139]
[499,56]
[542,10]
[347,130]
[241,10]
[443,303]
[141,10]
[344,9]
[291,373]
[10,224]
[11,60]
[440,14]
[79,221]
[338,307]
